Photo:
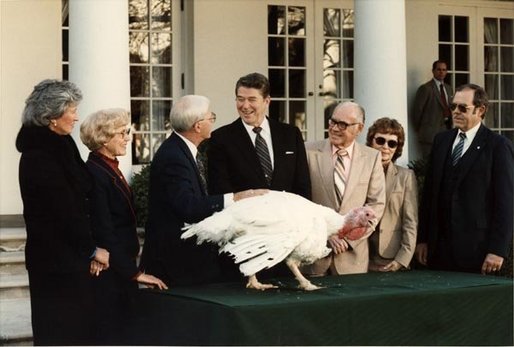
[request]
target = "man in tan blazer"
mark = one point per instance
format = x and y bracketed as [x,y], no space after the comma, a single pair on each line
[364,185]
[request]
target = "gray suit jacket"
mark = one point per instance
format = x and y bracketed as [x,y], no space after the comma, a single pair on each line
[365,186]
[395,237]
[427,113]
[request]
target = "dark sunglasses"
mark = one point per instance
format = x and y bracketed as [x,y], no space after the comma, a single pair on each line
[463,108]
[381,141]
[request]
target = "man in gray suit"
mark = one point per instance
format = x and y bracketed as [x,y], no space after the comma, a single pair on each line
[358,181]
[431,113]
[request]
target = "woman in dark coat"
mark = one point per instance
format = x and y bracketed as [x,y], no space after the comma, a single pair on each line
[106,134]
[60,250]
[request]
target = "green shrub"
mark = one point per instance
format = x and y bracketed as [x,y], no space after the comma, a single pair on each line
[140,186]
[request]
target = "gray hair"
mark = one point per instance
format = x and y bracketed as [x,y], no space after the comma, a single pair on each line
[100,126]
[360,114]
[49,100]
[188,110]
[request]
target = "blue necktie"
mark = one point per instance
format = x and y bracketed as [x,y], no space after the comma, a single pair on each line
[457,151]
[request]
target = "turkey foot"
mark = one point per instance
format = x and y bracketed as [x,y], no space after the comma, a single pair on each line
[255,284]
[304,283]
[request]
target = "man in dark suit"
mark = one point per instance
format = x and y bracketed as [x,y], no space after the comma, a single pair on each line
[466,221]
[234,163]
[431,113]
[255,151]
[178,195]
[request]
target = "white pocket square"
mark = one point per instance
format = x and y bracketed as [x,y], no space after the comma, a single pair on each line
[289,152]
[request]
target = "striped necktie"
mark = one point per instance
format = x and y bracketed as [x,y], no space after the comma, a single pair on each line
[201,169]
[339,177]
[263,153]
[457,151]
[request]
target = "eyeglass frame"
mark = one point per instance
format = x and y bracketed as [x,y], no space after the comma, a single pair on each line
[463,108]
[124,133]
[393,144]
[212,118]
[341,125]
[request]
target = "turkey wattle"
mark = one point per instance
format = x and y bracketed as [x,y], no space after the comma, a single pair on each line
[261,231]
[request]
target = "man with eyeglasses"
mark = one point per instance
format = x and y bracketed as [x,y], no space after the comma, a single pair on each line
[466,221]
[344,175]
[178,195]
[430,112]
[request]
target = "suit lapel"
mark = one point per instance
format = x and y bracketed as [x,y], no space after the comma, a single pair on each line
[392,172]
[326,170]
[358,163]
[247,148]
[278,145]
[471,155]
[189,156]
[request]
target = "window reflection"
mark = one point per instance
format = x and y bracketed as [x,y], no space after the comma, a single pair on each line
[296,20]
[296,52]
[276,20]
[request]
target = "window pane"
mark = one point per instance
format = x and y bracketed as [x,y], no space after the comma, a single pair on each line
[461,78]
[490,30]
[141,148]
[331,21]
[507,59]
[445,28]
[507,112]
[161,48]
[65,46]
[296,52]
[138,15]
[140,115]
[445,53]
[277,110]
[332,83]
[348,53]
[276,20]
[277,80]
[348,25]
[276,51]
[462,57]
[161,84]
[138,47]
[161,15]
[506,31]
[491,59]
[65,73]
[157,140]
[296,20]
[461,29]
[139,81]
[507,87]
[331,54]
[348,84]
[65,14]
[491,86]
[297,83]
[491,117]
[297,115]
[161,115]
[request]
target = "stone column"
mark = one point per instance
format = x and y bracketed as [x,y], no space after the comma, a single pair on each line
[381,62]
[99,60]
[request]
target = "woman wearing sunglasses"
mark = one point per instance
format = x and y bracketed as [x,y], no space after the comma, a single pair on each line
[393,243]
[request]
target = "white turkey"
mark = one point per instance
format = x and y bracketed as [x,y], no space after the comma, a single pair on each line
[261,231]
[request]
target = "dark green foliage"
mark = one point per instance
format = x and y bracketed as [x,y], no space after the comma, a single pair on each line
[140,186]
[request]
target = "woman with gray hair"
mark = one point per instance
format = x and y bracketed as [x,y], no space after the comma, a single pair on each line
[60,250]
[106,133]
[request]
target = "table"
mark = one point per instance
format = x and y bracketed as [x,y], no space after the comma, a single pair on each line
[403,308]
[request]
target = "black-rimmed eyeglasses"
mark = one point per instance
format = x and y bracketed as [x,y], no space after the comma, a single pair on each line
[342,125]
[379,140]
[463,108]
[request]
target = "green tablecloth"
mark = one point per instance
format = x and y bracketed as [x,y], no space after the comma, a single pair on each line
[405,308]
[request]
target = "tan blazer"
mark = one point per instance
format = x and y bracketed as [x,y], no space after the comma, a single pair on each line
[366,186]
[395,237]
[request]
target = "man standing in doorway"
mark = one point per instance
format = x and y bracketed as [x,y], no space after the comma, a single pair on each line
[431,113]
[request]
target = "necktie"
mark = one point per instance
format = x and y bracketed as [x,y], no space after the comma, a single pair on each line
[457,151]
[201,169]
[339,178]
[262,152]
[446,112]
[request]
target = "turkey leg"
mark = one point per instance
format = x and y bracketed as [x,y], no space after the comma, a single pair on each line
[304,283]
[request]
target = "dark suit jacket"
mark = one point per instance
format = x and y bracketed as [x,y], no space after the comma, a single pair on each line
[427,113]
[234,165]
[54,184]
[176,197]
[113,217]
[481,201]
